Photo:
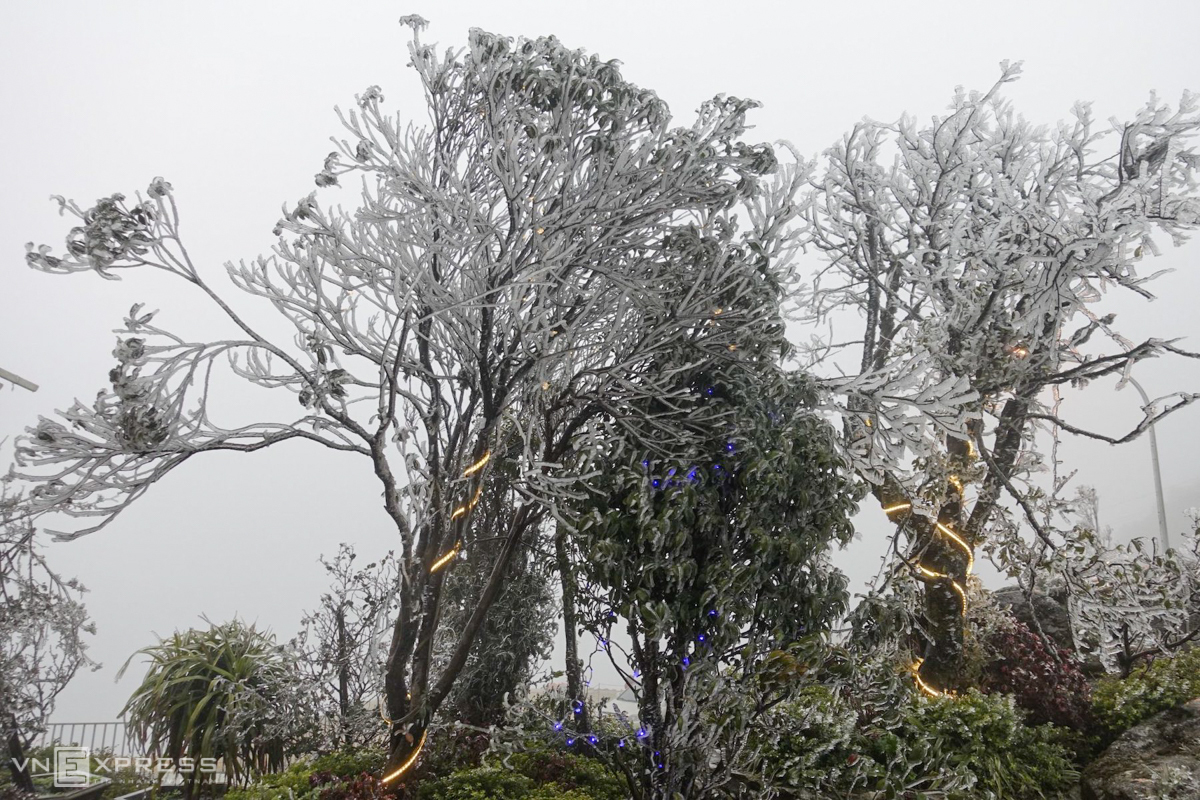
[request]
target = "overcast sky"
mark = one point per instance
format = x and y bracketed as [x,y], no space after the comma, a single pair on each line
[232,102]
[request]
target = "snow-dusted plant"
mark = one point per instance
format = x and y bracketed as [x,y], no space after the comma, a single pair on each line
[1129,601]
[228,692]
[976,254]
[340,650]
[523,259]
[43,630]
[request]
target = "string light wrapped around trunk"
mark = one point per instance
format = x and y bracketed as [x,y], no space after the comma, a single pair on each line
[934,575]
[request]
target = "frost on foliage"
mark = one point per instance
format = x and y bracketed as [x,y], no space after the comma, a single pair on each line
[1131,600]
[42,625]
[907,406]
[977,255]
[342,649]
[978,247]
[524,267]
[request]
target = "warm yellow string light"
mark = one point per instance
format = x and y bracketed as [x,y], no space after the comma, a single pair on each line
[924,687]
[446,559]
[934,575]
[463,509]
[958,540]
[458,512]
[478,465]
[412,759]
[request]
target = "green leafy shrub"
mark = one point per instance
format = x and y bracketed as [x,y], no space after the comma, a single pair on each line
[968,746]
[261,791]
[570,772]
[1166,682]
[276,786]
[539,774]
[305,779]
[348,763]
[480,783]
[811,743]
[360,787]
[979,737]
[125,780]
[450,750]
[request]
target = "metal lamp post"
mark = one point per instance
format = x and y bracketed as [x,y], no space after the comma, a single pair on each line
[1158,490]
[18,380]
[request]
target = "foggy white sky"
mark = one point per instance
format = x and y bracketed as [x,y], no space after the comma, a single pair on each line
[232,102]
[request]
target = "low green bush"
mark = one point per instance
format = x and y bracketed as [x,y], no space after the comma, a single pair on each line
[1120,703]
[570,772]
[480,783]
[535,775]
[983,737]
[347,763]
[968,746]
[811,743]
[276,786]
[304,780]
[125,781]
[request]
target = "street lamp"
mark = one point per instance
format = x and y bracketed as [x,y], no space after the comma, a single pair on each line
[1158,490]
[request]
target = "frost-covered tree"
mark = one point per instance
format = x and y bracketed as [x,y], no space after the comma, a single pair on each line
[977,253]
[521,260]
[43,625]
[339,651]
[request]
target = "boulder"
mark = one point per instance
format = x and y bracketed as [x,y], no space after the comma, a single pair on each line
[1156,760]
[1051,613]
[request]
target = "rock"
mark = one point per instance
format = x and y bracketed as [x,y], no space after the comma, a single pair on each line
[1156,760]
[1051,613]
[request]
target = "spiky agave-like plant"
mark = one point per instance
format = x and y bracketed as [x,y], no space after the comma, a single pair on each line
[228,692]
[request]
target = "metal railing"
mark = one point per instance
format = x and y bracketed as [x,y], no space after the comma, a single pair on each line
[111,737]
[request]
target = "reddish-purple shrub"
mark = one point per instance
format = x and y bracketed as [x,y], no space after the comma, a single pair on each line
[363,787]
[1043,678]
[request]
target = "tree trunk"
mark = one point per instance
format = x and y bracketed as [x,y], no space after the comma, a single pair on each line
[343,660]
[574,667]
[941,668]
[18,767]
[405,741]
[947,553]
